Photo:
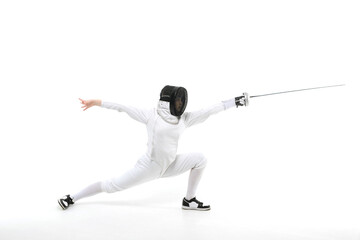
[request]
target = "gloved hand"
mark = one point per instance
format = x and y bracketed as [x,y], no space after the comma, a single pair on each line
[242,100]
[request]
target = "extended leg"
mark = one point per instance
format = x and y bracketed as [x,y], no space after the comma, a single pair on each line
[90,190]
[144,170]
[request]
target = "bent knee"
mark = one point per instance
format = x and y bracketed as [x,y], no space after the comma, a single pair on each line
[202,161]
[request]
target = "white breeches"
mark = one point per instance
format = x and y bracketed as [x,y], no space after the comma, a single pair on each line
[146,170]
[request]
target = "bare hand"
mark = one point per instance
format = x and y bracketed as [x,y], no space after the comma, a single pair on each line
[89,103]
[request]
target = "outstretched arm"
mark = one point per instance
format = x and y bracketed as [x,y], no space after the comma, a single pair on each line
[192,118]
[137,114]
[196,117]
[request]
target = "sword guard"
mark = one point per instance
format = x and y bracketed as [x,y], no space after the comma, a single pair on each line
[242,100]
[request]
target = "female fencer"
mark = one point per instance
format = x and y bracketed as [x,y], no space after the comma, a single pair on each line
[164,125]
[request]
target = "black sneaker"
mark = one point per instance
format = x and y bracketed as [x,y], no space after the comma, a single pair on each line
[194,204]
[65,202]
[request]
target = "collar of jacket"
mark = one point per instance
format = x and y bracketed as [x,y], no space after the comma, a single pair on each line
[163,110]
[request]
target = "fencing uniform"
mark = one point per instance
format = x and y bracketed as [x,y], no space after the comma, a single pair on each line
[164,131]
[164,124]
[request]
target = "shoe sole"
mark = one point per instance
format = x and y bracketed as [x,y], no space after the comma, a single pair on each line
[197,209]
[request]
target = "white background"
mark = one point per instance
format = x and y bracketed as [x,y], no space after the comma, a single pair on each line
[286,167]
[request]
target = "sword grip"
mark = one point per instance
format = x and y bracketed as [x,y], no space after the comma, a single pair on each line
[242,100]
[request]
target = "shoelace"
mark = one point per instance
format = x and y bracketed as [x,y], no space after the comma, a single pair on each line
[200,204]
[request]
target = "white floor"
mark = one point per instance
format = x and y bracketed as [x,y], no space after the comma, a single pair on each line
[152,211]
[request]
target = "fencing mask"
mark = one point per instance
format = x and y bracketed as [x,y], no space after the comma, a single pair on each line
[177,97]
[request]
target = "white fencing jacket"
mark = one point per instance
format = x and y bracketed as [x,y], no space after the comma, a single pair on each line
[164,129]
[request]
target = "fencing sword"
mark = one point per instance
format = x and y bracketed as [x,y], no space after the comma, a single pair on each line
[243,100]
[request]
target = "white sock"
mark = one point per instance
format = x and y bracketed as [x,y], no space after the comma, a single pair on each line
[90,190]
[194,180]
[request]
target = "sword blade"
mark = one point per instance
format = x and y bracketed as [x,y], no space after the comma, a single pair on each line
[298,90]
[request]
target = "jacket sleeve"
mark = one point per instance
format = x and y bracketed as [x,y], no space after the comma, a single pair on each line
[135,113]
[192,118]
